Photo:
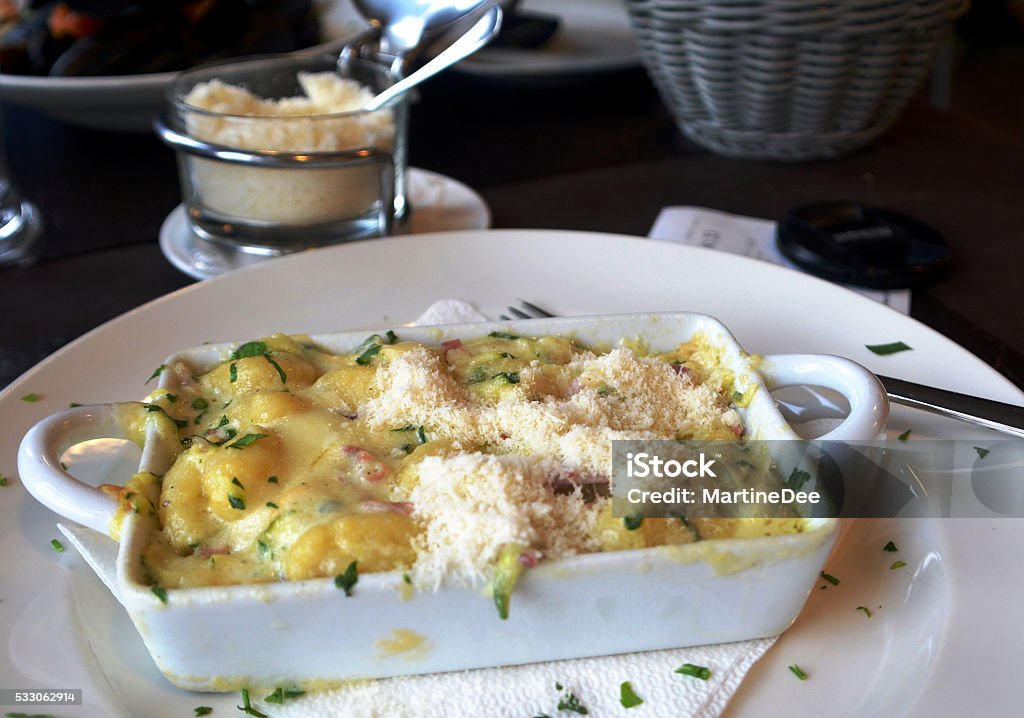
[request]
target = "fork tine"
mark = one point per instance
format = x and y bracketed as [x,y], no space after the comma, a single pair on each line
[518,313]
[537,311]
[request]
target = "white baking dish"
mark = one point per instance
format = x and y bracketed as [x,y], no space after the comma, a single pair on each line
[309,632]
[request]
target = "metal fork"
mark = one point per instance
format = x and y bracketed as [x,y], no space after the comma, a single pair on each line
[525,310]
[995,415]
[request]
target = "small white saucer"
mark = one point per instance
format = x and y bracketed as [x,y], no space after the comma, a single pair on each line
[439,204]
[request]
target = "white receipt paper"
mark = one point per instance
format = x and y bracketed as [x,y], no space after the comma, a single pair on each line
[747,236]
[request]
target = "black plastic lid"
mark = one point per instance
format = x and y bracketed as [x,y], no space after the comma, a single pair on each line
[867,246]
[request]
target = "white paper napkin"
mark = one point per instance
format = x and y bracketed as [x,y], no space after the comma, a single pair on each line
[747,236]
[516,691]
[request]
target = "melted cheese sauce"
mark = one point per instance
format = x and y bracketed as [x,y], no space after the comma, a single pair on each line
[287,470]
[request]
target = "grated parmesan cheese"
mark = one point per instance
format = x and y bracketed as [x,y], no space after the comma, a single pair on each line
[469,506]
[472,505]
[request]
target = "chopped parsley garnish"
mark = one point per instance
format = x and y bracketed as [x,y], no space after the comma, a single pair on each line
[236,503]
[249,349]
[236,482]
[628,697]
[33,397]
[172,398]
[57,546]
[271,479]
[246,440]
[347,580]
[256,349]
[421,434]
[506,574]
[569,702]
[798,672]
[202,710]
[247,708]
[160,592]
[512,377]
[632,523]
[897,564]
[865,609]
[233,373]
[73,404]
[281,694]
[503,335]
[688,525]
[407,578]
[982,453]
[371,347]
[180,423]
[200,404]
[271,505]
[830,578]
[890,547]
[156,372]
[904,435]
[737,397]
[797,479]
[369,353]
[262,548]
[280,371]
[690,669]
[3,480]
[890,348]
[476,375]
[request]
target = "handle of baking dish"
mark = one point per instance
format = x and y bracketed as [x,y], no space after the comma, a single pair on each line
[39,463]
[869,403]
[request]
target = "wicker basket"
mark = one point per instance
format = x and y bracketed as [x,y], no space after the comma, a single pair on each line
[788,79]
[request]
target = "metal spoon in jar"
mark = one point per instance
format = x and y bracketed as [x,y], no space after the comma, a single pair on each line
[476,37]
[404,24]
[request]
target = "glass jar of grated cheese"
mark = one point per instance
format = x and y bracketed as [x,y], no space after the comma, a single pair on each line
[277,154]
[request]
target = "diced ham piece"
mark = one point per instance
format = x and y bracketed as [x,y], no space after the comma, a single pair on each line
[208,551]
[219,435]
[529,558]
[564,480]
[184,376]
[368,467]
[680,369]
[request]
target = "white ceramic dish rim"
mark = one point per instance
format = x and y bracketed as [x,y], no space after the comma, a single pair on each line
[42,447]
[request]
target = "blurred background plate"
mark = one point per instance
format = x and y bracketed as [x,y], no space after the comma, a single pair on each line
[592,36]
[130,102]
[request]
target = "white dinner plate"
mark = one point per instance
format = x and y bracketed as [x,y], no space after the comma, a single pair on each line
[593,36]
[945,632]
[438,204]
